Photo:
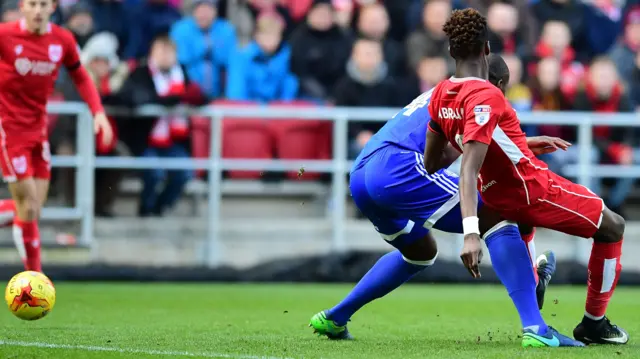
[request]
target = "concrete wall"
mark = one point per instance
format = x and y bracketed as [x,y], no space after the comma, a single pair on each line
[254,230]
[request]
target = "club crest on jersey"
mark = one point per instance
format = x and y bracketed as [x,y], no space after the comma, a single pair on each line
[18,49]
[55,52]
[482,114]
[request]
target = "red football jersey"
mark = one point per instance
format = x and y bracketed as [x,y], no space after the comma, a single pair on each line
[472,109]
[29,65]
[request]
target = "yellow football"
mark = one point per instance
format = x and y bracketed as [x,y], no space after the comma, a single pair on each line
[30,295]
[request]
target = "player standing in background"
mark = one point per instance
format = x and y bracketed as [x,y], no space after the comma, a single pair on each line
[31,53]
[475,118]
[390,186]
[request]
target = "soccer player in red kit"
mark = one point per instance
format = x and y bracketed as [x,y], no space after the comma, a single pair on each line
[476,119]
[31,53]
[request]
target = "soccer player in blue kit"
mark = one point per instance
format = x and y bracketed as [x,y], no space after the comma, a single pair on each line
[392,188]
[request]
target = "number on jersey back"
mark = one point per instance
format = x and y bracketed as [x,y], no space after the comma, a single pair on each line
[418,103]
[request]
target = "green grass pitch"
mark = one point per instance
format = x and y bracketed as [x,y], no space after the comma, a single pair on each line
[251,321]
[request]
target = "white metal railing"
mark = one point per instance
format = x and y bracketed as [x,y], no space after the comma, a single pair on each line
[85,160]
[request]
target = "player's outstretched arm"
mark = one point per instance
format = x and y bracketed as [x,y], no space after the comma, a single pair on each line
[540,145]
[474,154]
[86,87]
[90,95]
[438,152]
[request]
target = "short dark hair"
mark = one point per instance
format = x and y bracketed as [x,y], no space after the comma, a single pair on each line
[498,69]
[468,33]
[163,38]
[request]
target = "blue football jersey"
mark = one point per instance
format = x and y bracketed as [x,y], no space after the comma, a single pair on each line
[407,130]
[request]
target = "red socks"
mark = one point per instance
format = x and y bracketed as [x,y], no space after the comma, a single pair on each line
[604,271]
[27,239]
[7,212]
[531,248]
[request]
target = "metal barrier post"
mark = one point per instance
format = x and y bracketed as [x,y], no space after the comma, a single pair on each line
[339,187]
[86,176]
[213,246]
[585,144]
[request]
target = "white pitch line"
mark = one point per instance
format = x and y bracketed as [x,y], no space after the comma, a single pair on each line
[92,348]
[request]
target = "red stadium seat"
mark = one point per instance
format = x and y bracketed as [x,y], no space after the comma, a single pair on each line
[245,138]
[200,130]
[301,139]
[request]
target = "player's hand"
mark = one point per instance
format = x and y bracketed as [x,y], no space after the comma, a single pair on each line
[103,126]
[541,145]
[472,254]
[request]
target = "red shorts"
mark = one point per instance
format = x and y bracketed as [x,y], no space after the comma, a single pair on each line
[568,208]
[22,157]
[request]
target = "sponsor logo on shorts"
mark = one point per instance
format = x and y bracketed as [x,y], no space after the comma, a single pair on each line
[18,49]
[19,164]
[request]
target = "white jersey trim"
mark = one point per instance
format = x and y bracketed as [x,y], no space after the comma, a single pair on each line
[513,153]
[464,79]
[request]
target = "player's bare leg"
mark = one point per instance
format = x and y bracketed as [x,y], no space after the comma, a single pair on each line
[604,271]
[42,190]
[25,226]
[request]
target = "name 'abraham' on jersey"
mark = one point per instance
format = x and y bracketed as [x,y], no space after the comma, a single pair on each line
[513,166]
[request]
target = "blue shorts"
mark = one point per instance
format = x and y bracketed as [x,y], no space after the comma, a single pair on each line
[394,191]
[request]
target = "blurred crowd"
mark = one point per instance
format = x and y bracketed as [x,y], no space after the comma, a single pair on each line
[563,55]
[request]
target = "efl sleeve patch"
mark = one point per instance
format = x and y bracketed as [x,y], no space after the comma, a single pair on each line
[482,114]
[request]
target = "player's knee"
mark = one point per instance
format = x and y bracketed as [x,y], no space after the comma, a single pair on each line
[423,262]
[32,209]
[611,229]
[618,226]
[421,252]
[28,208]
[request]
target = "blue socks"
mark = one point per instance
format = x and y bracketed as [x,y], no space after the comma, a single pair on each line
[511,263]
[389,272]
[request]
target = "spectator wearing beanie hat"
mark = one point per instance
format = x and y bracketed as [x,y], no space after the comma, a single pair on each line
[108,75]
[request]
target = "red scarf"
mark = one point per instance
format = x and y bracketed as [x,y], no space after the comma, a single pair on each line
[603,106]
[168,129]
[572,71]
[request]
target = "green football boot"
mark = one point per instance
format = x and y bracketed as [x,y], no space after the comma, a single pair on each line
[327,327]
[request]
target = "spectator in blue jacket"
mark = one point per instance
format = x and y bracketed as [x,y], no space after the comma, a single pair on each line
[260,71]
[149,20]
[205,44]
